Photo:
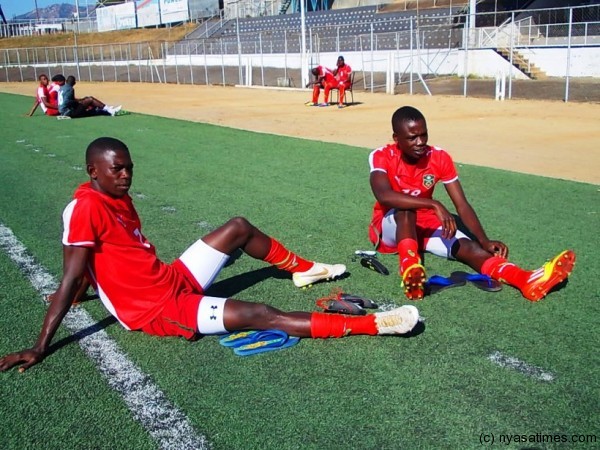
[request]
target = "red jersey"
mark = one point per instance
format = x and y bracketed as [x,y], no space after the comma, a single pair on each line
[343,73]
[326,74]
[53,92]
[131,281]
[43,92]
[418,180]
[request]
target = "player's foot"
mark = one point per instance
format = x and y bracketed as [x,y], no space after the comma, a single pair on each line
[322,105]
[397,321]
[413,282]
[310,104]
[113,110]
[341,105]
[318,272]
[548,276]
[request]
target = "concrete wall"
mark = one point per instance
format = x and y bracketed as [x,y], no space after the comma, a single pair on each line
[585,62]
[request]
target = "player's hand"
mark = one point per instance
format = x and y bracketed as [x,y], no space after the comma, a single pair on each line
[496,248]
[27,359]
[448,222]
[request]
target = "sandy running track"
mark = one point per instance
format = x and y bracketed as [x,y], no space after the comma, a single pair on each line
[549,138]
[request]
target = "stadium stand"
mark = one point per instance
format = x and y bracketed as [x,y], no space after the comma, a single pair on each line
[328,27]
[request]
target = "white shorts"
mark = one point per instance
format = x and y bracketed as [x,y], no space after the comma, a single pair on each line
[203,262]
[432,239]
[210,315]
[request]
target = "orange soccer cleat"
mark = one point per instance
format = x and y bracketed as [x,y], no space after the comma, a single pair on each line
[413,282]
[548,276]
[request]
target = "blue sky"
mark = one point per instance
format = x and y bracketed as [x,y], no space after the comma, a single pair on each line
[17,7]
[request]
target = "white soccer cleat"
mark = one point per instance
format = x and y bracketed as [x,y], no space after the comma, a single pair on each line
[397,321]
[318,272]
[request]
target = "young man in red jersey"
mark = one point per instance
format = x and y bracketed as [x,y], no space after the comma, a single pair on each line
[323,79]
[102,240]
[342,82]
[43,98]
[407,220]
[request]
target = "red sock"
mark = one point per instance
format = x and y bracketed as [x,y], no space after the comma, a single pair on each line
[408,254]
[286,260]
[500,269]
[324,325]
[316,90]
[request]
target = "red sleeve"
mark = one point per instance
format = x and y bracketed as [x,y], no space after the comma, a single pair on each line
[82,223]
[378,160]
[448,172]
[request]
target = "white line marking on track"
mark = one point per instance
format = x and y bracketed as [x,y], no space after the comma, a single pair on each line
[165,423]
[522,367]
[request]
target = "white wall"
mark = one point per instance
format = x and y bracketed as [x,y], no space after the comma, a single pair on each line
[585,62]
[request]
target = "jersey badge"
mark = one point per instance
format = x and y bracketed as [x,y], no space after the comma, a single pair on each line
[428,180]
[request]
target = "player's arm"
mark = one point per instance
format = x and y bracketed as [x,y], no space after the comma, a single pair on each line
[35,105]
[387,196]
[470,219]
[74,263]
[46,102]
[84,285]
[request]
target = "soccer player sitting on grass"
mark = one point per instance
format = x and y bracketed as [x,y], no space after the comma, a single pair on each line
[43,98]
[407,220]
[70,106]
[103,240]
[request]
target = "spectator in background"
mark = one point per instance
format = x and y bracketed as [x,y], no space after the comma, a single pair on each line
[342,79]
[43,98]
[323,79]
[71,106]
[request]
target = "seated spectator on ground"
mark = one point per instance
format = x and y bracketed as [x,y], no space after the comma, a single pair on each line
[43,98]
[342,79]
[71,106]
[323,78]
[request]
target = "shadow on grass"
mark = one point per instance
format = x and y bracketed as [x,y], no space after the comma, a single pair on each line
[98,326]
[238,283]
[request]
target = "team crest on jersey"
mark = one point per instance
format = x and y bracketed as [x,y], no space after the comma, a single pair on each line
[428,180]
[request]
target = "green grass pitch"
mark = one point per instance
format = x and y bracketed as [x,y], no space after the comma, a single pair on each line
[438,389]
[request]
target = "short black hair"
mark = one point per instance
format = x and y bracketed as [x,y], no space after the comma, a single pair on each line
[101,145]
[341,57]
[406,114]
[58,77]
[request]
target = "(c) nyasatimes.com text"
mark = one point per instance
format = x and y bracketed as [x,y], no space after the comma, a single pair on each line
[536,438]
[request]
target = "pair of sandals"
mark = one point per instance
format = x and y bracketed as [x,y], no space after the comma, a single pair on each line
[252,342]
[437,283]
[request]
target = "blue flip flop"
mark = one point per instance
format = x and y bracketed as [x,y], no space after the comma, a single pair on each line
[239,338]
[266,346]
[438,283]
[478,280]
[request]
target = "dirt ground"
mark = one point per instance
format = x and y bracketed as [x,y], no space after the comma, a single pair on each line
[549,138]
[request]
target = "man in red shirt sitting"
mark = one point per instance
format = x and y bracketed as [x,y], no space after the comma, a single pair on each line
[103,241]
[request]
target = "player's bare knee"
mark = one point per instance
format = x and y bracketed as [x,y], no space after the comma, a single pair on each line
[239,225]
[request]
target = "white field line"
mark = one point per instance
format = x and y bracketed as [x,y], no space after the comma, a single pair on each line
[509,362]
[149,406]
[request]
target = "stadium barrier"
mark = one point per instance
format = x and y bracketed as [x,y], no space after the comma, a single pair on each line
[393,62]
